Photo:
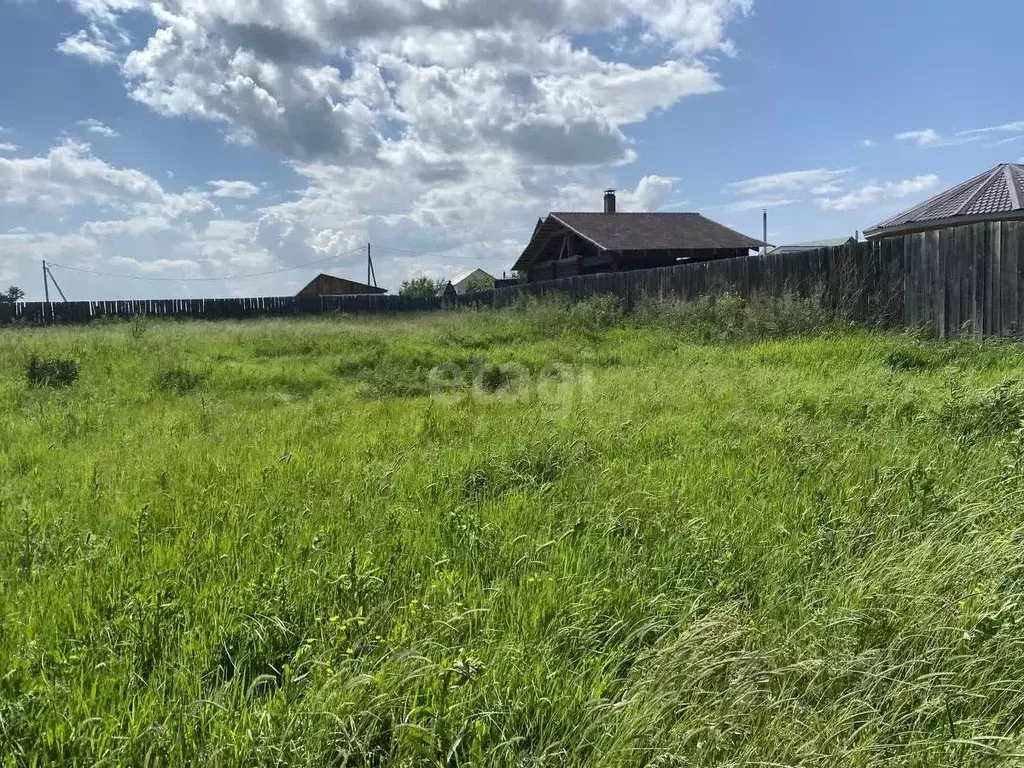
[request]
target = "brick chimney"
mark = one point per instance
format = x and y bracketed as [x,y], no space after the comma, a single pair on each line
[609,201]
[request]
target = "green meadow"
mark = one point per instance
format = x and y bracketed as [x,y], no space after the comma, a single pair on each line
[553,535]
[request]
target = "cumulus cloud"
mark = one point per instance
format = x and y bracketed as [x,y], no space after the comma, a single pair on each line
[6,146]
[90,45]
[450,124]
[651,194]
[874,193]
[238,189]
[69,175]
[502,74]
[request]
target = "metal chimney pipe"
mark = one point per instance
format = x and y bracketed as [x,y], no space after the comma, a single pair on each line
[765,238]
[609,201]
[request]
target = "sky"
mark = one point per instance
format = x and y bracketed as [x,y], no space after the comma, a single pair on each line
[239,148]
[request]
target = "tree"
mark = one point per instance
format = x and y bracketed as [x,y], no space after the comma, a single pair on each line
[419,286]
[11,295]
[480,283]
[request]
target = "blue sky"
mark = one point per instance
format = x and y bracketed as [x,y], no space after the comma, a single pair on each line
[195,140]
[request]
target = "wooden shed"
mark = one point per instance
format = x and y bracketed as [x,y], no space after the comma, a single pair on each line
[329,285]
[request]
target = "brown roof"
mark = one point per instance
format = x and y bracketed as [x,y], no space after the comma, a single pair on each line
[329,285]
[640,232]
[995,194]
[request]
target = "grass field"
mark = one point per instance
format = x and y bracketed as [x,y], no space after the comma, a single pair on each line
[691,536]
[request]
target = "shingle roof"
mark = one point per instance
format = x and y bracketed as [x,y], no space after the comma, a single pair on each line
[995,194]
[654,231]
[635,232]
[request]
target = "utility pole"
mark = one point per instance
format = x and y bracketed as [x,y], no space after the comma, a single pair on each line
[369,267]
[46,283]
[765,230]
[57,286]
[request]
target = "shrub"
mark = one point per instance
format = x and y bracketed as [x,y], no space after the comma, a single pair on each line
[994,412]
[179,379]
[913,359]
[732,318]
[51,371]
[553,315]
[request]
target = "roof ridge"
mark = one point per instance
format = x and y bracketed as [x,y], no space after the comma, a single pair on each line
[981,190]
[938,199]
[995,193]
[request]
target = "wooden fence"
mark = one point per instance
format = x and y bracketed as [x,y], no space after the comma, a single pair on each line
[212,309]
[967,279]
[963,279]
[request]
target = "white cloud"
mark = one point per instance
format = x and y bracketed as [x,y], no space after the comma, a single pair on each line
[874,193]
[1014,127]
[651,194]
[89,45]
[788,181]
[92,125]
[69,175]
[6,146]
[923,138]
[237,189]
[755,204]
[867,143]
[453,124]
[931,138]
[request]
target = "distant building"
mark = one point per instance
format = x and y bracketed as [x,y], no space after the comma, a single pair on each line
[446,290]
[461,282]
[835,242]
[995,195]
[566,244]
[329,285]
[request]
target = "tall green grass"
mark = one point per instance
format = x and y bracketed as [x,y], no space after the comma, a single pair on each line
[757,536]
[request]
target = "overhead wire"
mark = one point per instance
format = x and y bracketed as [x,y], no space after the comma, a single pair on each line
[427,253]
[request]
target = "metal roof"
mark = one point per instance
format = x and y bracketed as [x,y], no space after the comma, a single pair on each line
[466,275]
[812,244]
[995,194]
[637,232]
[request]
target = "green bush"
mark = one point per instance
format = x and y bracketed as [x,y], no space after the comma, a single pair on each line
[732,318]
[996,411]
[51,371]
[179,379]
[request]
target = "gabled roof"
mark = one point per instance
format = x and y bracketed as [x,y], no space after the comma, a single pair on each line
[637,232]
[995,194]
[330,284]
[812,244]
[466,275]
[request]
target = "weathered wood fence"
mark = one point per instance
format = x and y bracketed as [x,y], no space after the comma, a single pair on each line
[212,309]
[967,279]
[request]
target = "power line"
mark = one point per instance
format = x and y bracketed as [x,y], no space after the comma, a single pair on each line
[207,279]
